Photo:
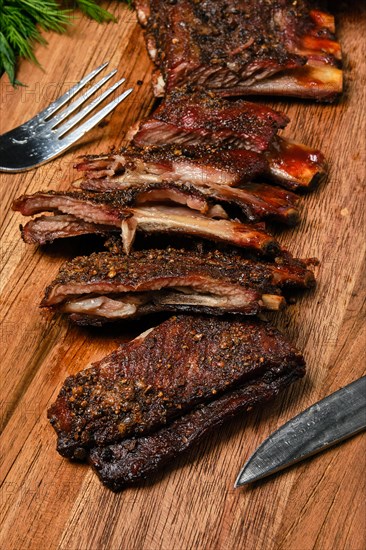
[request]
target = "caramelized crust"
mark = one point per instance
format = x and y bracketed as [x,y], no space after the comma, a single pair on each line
[242,48]
[162,374]
[200,118]
[135,459]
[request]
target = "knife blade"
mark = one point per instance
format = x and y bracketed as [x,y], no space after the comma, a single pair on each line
[327,422]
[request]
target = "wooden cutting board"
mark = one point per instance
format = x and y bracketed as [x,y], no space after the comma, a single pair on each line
[49,503]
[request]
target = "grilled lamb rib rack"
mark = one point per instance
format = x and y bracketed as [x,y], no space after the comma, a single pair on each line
[197,218]
[196,164]
[242,48]
[134,459]
[107,286]
[165,373]
[188,120]
[193,119]
[288,164]
[257,201]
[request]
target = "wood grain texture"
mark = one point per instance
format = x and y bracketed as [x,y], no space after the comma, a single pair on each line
[49,503]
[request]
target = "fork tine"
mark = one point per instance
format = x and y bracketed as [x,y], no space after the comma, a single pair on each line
[73,106]
[93,121]
[58,103]
[84,112]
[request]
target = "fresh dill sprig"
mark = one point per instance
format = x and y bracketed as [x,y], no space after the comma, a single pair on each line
[92,10]
[21,23]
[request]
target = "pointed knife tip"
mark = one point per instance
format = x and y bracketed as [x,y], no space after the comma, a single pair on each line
[244,478]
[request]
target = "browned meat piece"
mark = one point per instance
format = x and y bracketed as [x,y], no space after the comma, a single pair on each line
[187,119]
[194,164]
[112,209]
[46,229]
[198,119]
[240,48]
[163,374]
[108,286]
[134,459]
[257,201]
[289,164]
[293,165]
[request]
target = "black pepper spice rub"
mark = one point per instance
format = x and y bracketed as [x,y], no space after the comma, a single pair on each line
[111,209]
[232,47]
[109,286]
[136,458]
[164,373]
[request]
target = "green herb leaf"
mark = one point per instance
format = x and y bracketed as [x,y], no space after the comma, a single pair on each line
[92,10]
[21,23]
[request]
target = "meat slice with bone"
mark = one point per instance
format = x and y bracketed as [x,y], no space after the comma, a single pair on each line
[46,229]
[196,164]
[163,374]
[111,209]
[197,119]
[191,119]
[136,458]
[107,286]
[257,201]
[242,48]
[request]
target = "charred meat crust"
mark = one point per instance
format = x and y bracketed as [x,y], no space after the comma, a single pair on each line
[236,47]
[241,164]
[199,118]
[110,209]
[255,201]
[134,459]
[191,121]
[46,229]
[156,378]
[109,273]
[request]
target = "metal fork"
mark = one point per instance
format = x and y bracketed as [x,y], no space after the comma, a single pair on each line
[46,135]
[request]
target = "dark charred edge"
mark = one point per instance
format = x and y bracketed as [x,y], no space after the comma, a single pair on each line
[141,457]
[292,218]
[158,31]
[270,248]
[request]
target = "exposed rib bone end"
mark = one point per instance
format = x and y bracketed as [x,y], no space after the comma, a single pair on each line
[322,83]
[273,302]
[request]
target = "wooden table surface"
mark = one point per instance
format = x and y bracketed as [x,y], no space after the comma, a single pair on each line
[49,503]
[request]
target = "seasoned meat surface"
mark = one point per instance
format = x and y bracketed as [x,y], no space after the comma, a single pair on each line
[193,119]
[236,47]
[111,209]
[134,459]
[192,163]
[162,374]
[109,286]
[197,121]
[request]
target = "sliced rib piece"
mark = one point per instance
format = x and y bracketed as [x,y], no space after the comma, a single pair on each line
[194,164]
[46,229]
[165,219]
[194,119]
[191,119]
[112,209]
[162,374]
[257,201]
[135,459]
[240,48]
[155,168]
[107,286]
